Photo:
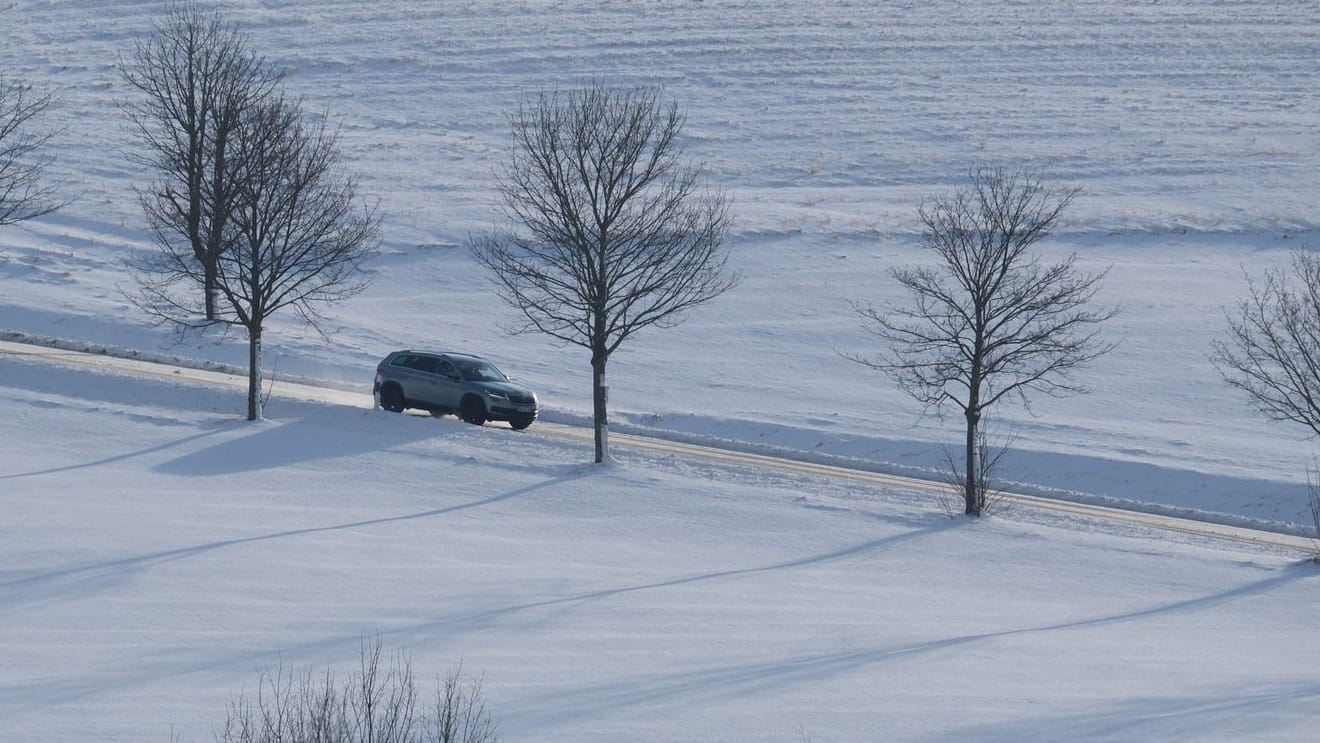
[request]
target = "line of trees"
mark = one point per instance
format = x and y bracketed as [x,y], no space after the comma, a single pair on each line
[251,210]
[610,231]
[251,213]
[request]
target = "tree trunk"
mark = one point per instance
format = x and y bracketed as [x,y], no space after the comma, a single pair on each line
[600,402]
[209,271]
[972,495]
[254,374]
[973,498]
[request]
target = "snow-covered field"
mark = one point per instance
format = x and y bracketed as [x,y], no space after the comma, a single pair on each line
[155,551]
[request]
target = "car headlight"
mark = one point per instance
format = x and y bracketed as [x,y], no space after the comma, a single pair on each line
[492,394]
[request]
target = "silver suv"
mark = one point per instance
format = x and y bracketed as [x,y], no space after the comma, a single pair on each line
[446,382]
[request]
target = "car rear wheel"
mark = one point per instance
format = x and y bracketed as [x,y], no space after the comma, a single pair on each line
[391,398]
[472,410]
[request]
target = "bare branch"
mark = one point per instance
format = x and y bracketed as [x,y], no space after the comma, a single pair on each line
[1273,349]
[299,236]
[989,320]
[617,234]
[377,703]
[253,208]
[23,161]
[195,75]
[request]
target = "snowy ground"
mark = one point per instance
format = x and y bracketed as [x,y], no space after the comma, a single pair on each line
[1191,129]
[157,551]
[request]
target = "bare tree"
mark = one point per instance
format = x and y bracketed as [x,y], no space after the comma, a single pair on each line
[197,75]
[376,703]
[298,235]
[1273,352]
[1273,349]
[989,320]
[459,713]
[22,161]
[619,233]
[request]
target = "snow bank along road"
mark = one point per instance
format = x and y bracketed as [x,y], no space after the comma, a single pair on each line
[300,391]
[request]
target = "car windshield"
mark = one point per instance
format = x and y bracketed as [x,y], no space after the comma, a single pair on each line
[480,371]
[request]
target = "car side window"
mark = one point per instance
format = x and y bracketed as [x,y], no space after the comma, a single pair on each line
[426,364]
[444,368]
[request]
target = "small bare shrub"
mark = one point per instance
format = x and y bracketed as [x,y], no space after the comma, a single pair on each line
[377,703]
[460,714]
[989,453]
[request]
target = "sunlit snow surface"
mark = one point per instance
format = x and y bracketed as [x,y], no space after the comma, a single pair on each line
[153,551]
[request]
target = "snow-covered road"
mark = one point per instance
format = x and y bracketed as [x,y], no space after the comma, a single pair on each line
[318,393]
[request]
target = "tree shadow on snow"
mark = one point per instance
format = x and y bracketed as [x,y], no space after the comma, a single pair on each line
[113,458]
[1231,712]
[482,618]
[776,676]
[275,444]
[79,581]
